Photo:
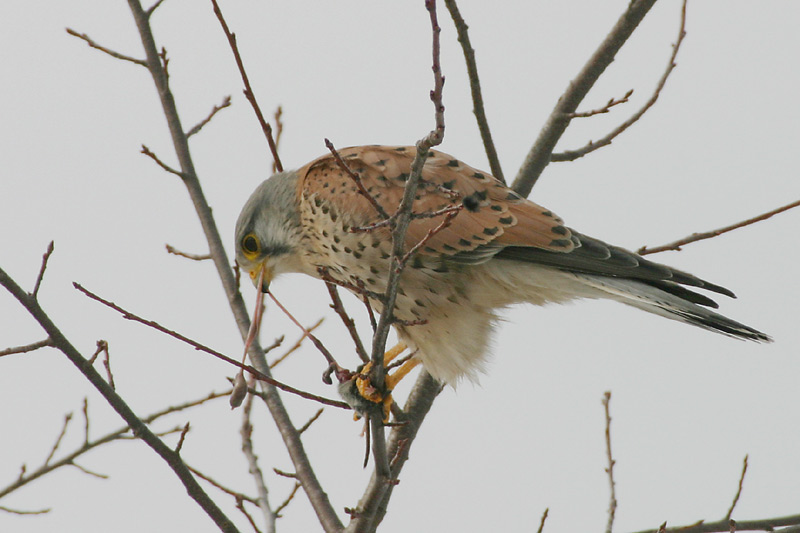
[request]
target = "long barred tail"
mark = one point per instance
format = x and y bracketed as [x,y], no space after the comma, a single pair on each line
[670,305]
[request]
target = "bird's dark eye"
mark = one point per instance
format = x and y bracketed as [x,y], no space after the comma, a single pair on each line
[250,244]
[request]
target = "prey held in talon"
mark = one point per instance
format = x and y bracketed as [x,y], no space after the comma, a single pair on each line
[499,249]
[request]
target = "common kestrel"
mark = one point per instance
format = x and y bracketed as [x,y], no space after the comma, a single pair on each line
[499,249]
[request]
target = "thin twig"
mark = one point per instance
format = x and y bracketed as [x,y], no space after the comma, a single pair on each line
[107,366]
[194,257]
[182,438]
[201,347]
[246,432]
[738,491]
[223,488]
[226,102]
[540,153]
[40,277]
[27,348]
[452,212]
[20,512]
[602,110]
[90,472]
[146,151]
[278,133]
[349,323]
[359,184]
[311,420]
[250,520]
[694,237]
[108,51]
[723,526]
[317,343]
[116,402]
[541,522]
[67,419]
[475,88]
[317,496]
[296,345]
[612,503]
[88,445]
[371,507]
[572,155]
[288,499]
[248,90]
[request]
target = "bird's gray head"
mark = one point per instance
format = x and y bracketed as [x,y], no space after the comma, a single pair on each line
[268,229]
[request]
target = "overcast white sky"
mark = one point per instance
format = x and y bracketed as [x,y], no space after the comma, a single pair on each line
[720,146]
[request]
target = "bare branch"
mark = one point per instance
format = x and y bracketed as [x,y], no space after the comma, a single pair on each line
[371,507]
[572,155]
[419,402]
[475,87]
[286,502]
[278,133]
[89,472]
[694,237]
[317,496]
[146,151]
[27,348]
[60,437]
[216,109]
[542,521]
[240,506]
[182,438]
[40,277]
[738,491]
[349,323]
[153,8]
[248,90]
[451,211]
[296,345]
[201,347]
[602,110]
[311,420]
[20,512]
[612,503]
[108,51]
[107,365]
[119,405]
[223,488]
[723,526]
[246,432]
[357,180]
[193,257]
[540,153]
[317,343]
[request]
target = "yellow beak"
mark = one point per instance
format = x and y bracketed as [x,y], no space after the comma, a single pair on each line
[262,276]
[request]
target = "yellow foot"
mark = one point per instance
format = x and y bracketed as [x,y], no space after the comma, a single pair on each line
[369,392]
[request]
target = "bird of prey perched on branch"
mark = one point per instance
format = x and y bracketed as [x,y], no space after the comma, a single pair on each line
[498,249]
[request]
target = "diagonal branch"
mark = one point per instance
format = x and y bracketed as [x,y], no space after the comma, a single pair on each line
[694,237]
[112,53]
[27,348]
[248,90]
[724,526]
[738,490]
[475,87]
[572,155]
[118,404]
[311,485]
[539,155]
[266,378]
